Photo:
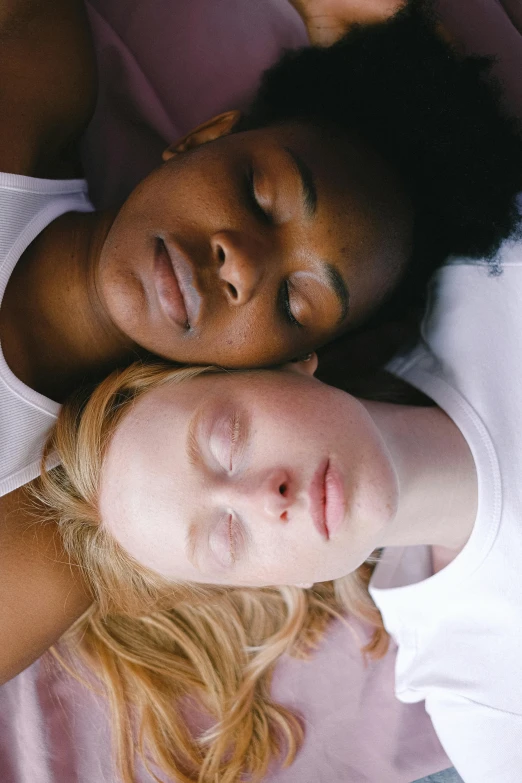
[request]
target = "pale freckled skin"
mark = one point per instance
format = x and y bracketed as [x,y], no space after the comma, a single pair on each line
[293,423]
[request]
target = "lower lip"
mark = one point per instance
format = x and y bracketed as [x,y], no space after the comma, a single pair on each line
[167,288]
[317,493]
[335,501]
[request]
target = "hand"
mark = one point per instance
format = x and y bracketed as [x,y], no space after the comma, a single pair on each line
[328,20]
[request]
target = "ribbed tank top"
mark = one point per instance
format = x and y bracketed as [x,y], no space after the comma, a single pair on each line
[27,207]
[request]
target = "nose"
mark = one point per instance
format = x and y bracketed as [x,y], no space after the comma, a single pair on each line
[275,495]
[240,264]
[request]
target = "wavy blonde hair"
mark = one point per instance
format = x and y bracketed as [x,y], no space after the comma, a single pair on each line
[160,649]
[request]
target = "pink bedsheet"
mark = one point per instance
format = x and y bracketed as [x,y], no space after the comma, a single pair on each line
[166,66]
[53,730]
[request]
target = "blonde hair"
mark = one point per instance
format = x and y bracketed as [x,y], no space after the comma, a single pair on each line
[159,649]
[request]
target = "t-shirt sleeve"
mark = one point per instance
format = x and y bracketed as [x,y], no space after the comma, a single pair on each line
[483,743]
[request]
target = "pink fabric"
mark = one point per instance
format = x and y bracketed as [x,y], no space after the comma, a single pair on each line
[54,730]
[165,66]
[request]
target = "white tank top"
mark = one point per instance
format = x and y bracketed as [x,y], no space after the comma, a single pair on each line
[27,206]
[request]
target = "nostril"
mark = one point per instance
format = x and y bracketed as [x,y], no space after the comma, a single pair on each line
[282,489]
[221,255]
[232,290]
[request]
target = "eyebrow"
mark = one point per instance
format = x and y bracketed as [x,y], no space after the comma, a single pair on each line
[335,278]
[193,535]
[340,289]
[307,183]
[191,543]
[192,446]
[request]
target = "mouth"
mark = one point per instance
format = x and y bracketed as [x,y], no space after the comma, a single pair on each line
[327,500]
[175,286]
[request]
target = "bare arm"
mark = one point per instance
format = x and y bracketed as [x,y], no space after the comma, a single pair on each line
[40,593]
[47,84]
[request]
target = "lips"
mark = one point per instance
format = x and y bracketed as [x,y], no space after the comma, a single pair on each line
[175,285]
[335,501]
[317,499]
[327,501]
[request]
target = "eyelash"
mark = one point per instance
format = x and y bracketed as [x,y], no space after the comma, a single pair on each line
[234,434]
[258,209]
[231,538]
[251,192]
[286,306]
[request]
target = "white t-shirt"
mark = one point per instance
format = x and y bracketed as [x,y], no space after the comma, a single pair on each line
[459,631]
[27,206]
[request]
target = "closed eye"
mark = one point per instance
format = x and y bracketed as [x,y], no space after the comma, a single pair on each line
[231,537]
[234,437]
[285,304]
[236,537]
[227,439]
[252,198]
[227,540]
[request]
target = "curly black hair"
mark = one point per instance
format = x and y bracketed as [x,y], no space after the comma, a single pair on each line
[433,114]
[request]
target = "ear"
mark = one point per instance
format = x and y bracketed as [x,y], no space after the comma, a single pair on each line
[211,130]
[305,366]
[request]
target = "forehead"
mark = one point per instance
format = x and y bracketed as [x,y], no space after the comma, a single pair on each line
[162,414]
[328,151]
[177,400]
[364,213]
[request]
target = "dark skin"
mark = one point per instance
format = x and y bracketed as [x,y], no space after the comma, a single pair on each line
[328,20]
[272,275]
[42,594]
[276,266]
[44,106]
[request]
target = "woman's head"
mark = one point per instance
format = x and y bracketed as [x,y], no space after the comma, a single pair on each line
[354,173]
[281,238]
[247,479]
[161,645]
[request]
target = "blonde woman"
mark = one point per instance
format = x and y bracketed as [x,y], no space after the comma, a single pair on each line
[163,648]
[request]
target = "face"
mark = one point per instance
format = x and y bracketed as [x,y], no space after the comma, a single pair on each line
[252,479]
[253,249]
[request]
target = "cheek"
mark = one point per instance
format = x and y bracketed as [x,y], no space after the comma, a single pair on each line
[286,555]
[247,337]
[160,545]
[127,305]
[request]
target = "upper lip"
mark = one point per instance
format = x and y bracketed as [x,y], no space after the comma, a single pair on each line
[318,499]
[184,272]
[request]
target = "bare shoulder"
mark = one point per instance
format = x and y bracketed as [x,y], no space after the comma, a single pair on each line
[41,593]
[47,84]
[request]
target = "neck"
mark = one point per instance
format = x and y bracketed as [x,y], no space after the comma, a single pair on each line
[55,331]
[436,477]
